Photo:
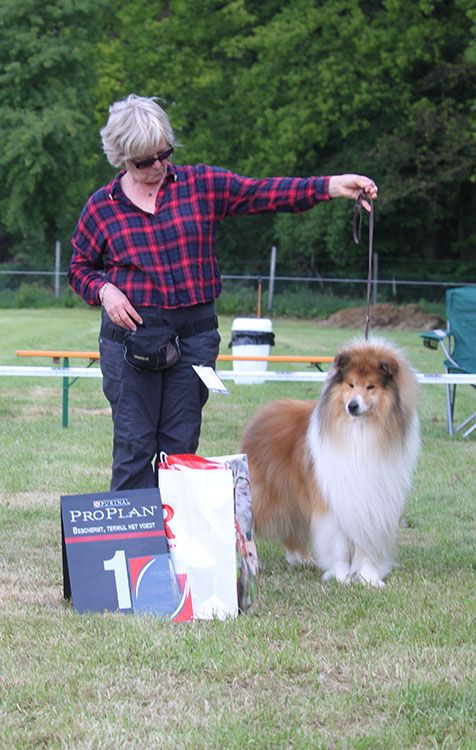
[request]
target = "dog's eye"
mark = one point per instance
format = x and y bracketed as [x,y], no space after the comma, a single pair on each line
[351,385]
[370,387]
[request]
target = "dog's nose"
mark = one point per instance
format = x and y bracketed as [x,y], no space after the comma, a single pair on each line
[353,407]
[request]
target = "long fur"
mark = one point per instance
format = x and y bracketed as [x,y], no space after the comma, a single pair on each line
[330,478]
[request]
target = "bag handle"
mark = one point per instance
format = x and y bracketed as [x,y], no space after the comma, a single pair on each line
[188,461]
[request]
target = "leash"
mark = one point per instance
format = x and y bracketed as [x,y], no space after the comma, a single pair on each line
[359,210]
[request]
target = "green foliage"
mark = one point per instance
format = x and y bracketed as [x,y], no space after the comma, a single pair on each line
[262,87]
[35,295]
[299,88]
[296,302]
[239,300]
[386,94]
[46,62]
[300,301]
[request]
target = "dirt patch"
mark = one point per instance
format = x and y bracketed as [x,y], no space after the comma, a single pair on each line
[385,315]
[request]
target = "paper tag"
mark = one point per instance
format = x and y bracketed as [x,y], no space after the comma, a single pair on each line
[208,376]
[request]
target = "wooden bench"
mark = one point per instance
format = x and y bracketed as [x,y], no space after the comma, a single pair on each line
[57,356]
[61,358]
[94,356]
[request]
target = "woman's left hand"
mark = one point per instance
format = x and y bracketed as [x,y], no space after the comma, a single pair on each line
[351,185]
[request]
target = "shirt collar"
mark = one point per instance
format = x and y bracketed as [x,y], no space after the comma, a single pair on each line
[171,171]
[115,189]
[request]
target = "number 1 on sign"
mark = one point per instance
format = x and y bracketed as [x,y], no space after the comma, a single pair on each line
[119,567]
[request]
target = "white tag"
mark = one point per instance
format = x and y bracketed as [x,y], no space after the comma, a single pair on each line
[208,376]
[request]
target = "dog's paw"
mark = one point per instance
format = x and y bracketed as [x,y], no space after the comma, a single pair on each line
[296,558]
[368,580]
[340,573]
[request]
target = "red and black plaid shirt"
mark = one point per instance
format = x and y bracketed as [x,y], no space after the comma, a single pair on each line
[168,259]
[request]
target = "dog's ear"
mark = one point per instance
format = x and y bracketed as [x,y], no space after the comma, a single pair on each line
[341,361]
[389,370]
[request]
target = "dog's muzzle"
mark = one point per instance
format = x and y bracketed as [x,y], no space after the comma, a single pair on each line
[357,407]
[353,407]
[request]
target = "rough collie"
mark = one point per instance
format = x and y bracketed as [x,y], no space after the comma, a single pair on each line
[329,479]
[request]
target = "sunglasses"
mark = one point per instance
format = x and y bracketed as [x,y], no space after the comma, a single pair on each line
[145,163]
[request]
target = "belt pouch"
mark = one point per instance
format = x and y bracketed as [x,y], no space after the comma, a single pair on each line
[152,349]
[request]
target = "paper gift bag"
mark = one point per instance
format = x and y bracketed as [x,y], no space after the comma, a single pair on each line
[198,504]
[247,566]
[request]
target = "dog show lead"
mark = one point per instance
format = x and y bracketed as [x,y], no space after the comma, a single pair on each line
[144,247]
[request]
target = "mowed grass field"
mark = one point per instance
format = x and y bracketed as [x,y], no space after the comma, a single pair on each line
[312,666]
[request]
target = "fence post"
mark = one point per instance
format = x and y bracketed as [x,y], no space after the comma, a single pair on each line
[272,275]
[57,267]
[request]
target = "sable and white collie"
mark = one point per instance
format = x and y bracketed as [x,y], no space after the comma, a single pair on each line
[331,477]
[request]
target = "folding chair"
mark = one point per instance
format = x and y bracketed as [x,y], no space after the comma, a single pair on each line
[459,345]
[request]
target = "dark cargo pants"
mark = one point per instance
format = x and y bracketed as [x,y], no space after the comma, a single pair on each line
[155,411]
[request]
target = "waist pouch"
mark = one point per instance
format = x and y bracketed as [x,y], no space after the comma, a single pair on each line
[155,347]
[151,349]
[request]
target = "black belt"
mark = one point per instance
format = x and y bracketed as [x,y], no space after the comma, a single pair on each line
[191,329]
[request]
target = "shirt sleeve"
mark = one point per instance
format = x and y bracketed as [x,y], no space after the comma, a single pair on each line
[235,194]
[87,260]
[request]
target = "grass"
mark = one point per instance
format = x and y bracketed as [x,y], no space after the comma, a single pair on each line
[311,667]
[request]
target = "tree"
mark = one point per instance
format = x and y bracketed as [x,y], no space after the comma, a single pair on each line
[190,54]
[380,88]
[262,87]
[298,87]
[46,104]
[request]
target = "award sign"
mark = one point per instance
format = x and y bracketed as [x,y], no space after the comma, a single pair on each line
[115,555]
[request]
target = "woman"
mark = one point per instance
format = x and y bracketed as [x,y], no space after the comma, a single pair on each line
[144,248]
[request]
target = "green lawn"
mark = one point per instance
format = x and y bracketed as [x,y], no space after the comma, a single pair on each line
[312,667]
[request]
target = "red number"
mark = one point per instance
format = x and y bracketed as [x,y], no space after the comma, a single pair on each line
[168,515]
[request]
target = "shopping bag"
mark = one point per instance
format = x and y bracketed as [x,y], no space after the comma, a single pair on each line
[247,565]
[198,502]
[246,555]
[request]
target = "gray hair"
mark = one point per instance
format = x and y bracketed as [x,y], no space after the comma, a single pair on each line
[137,126]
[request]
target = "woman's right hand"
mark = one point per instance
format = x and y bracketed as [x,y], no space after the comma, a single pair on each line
[118,308]
[351,185]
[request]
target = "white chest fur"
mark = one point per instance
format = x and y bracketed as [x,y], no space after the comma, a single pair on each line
[364,481]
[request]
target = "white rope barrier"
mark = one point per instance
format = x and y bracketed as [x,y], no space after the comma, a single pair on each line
[251,375]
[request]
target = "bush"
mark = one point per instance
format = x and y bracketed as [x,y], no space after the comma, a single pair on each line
[33,295]
[37,295]
[289,301]
[299,301]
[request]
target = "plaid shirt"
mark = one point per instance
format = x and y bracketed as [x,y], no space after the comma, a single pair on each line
[168,259]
